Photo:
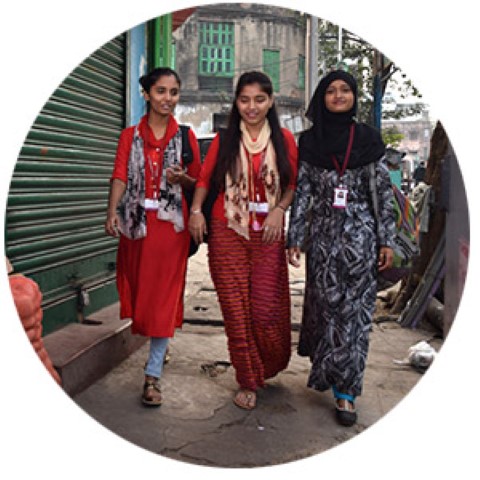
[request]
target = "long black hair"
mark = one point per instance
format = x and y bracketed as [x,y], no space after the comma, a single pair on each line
[230,140]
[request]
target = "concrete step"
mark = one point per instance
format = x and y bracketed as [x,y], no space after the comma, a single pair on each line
[82,353]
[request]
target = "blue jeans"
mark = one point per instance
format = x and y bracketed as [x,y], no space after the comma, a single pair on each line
[158,348]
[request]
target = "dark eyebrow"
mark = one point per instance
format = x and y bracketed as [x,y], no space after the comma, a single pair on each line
[162,88]
[259,95]
[343,86]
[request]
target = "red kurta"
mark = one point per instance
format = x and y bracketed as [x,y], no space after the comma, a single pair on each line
[151,271]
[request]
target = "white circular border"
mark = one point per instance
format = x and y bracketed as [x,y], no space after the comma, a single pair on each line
[45,434]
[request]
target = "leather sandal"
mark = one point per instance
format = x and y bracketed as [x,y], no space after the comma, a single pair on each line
[152,394]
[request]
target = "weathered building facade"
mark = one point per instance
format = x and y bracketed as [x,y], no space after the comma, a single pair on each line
[415,143]
[219,42]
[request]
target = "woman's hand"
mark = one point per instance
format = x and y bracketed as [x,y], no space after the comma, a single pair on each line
[385,258]
[294,256]
[273,226]
[111,225]
[175,174]
[197,226]
[117,190]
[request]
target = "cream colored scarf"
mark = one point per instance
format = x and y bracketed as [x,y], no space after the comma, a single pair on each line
[237,193]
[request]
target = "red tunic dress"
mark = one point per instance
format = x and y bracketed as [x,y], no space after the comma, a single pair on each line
[151,271]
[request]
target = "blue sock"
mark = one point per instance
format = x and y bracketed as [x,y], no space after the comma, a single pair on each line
[343,396]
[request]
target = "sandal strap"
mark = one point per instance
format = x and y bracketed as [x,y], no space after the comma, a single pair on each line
[347,407]
[343,396]
[152,384]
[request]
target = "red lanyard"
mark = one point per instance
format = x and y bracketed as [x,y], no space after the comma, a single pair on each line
[254,179]
[341,171]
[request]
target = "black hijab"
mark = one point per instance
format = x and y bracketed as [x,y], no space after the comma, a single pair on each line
[329,133]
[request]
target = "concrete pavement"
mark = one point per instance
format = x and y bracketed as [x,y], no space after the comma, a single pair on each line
[198,422]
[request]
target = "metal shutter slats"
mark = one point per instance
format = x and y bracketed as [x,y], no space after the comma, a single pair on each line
[58,193]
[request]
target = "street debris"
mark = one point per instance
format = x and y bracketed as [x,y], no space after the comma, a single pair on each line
[213,369]
[420,356]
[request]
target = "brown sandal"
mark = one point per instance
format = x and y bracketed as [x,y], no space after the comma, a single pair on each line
[152,394]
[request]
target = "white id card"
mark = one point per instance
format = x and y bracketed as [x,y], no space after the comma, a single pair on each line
[151,204]
[340,197]
[258,207]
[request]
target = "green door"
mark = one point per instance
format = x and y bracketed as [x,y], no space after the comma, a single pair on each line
[58,194]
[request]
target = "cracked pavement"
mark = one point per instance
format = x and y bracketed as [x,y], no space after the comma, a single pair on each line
[198,422]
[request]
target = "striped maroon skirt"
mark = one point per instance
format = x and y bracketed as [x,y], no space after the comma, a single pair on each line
[251,280]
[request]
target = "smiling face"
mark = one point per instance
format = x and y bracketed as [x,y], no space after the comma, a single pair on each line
[163,95]
[253,105]
[339,97]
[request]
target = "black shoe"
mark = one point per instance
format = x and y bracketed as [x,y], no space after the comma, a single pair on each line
[346,415]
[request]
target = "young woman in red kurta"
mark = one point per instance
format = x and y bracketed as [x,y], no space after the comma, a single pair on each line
[253,167]
[148,210]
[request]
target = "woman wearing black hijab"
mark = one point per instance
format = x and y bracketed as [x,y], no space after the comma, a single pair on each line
[344,246]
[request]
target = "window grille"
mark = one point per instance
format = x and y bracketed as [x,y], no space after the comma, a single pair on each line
[216,51]
[271,66]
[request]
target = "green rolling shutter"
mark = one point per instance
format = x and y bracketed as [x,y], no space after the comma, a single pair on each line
[58,193]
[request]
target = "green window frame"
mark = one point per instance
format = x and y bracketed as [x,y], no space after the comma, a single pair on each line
[162,44]
[271,66]
[216,56]
[301,72]
[168,60]
[173,58]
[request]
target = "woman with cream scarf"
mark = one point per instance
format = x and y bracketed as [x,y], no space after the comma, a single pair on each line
[253,168]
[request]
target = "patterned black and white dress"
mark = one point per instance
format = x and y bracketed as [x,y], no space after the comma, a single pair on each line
[341,253]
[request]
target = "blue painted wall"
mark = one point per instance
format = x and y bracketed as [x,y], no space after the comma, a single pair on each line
[137,68]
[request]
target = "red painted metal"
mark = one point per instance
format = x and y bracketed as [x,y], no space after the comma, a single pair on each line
[180,16]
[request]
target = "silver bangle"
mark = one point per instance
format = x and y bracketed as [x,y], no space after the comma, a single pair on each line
[195,212]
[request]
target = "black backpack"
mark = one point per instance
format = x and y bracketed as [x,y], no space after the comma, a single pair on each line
[187,158]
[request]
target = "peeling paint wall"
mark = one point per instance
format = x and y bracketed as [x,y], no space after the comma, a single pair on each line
[198,116]
[257,27]
[254,36]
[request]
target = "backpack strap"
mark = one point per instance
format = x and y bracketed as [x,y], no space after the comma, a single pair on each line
[373,189]
[187,154]
[187,158]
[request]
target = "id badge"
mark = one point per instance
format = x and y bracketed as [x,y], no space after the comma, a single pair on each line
[258,207]
[340,197]
[151,204]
